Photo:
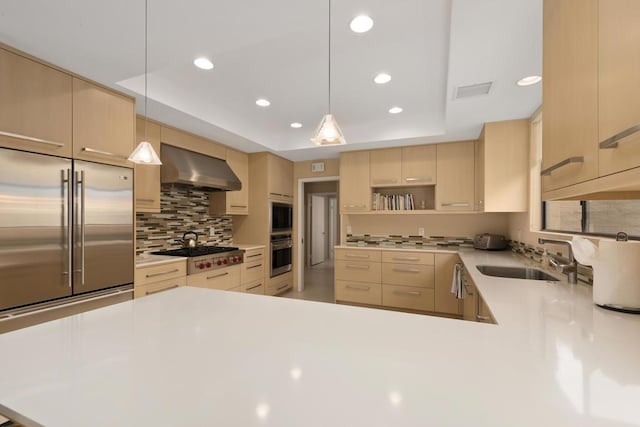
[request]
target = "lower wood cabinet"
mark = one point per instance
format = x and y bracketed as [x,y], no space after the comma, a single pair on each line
[254,287]
[408,275]
[358,292]
[157,278]
[279,284]
[157,287]
[445,301]
[358,271]
[409,297]
[223,279]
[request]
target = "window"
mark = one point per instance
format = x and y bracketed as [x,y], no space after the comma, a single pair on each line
[598,217]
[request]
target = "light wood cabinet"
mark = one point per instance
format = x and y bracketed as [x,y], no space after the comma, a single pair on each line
[386,167]
[233,202]
[412,298]
[470,301]
[445,301]
[355,191]
[35,106]
[570,92]
[358,255]
[358,292]
[252,271]
[157,278]
[279,284]
[224,279]
[189,141]
[408,257]
[419,165]
[407,275]
[103,124]
[358,271]
[455,176]
[502,167]
[148,176]
[484,313]
[157,287]
[256,288]
[618,83]
[279,178]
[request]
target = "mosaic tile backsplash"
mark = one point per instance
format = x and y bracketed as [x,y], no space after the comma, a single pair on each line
[392,239]
[182,208]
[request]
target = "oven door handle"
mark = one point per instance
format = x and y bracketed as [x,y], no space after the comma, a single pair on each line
[278,246]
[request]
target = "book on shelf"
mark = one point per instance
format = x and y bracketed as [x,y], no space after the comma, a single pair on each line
[392,202]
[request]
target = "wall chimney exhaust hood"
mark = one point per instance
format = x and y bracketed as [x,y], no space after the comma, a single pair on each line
[180,166]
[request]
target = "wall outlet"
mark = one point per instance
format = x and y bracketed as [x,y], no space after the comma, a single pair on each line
[349,229]
[212,231]
[421,231]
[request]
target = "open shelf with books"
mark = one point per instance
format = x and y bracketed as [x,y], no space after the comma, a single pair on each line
[400,199]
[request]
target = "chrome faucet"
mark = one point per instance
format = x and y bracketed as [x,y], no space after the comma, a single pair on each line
[570,269]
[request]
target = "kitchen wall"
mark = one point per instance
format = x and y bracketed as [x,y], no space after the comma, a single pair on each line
[182,208]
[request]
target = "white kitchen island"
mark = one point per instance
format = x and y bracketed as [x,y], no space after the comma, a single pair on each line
[198,357]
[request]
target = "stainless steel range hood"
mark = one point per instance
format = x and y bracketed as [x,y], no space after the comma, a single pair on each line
[180,166]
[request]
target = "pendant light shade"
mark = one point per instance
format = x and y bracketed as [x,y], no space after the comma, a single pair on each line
[328,132]
[144,153]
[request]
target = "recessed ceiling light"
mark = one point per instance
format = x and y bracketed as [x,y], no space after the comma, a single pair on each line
[382,78]
[263,102]
[203,63]
[361,24]
[529,80]
[395,110]
[296,125]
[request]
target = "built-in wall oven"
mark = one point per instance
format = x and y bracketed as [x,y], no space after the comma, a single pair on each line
[281,254]
[281,217]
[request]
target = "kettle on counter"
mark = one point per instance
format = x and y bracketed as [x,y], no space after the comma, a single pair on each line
[616,271]
[188,242]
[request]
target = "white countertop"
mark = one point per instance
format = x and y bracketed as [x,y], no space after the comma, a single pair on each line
[408,248]
[150,260]
[249,247]
[198,357]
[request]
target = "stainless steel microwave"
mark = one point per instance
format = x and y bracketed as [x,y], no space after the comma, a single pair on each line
[281,217]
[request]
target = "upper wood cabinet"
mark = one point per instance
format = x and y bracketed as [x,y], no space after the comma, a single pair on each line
[419,165]
[570,92]
[279,178]
[386,167]
[355,191]
[103,124]
[445,301]
[35,106]
[618,83]
[502,160]
[233,202]
[455,176]
[189,141]
[148,176]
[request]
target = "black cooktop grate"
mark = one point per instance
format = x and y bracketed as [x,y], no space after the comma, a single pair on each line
[198,251]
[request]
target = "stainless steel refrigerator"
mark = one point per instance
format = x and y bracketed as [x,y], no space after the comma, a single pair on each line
[66,227]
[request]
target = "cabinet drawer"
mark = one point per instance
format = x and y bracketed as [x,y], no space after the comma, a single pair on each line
[358,271]
[252,271]
[254,288]
[360,292]
[279,284]
[408,297]
[223,279]
[408,275]
[399,257]
[358,255]
[162,272]
[154,288]
[254,255]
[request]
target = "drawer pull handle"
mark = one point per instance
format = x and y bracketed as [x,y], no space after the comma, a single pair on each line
[286,285]
[145,200]
[456,204]
[30,138]
[161,290]
[103,153]
[357,256]
[406,270]
[483,318]
[254,287]
[254,266]
[565,162]
[400,258]
[613,141]
[239,206]
[254,255]
[419,179]
[175,270]
[413,293]
[358,267]
[358,288]
[218,275]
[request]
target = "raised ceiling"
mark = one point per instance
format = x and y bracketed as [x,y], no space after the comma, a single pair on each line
[278,50]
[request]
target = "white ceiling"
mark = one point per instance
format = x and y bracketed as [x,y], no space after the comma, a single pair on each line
[278,50]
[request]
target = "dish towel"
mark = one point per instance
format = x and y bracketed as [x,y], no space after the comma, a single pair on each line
[456,283]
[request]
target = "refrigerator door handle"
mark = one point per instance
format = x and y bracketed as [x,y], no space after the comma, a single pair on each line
[80,181]
[67,179]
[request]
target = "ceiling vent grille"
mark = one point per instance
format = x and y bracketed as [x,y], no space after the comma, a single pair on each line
[473,90]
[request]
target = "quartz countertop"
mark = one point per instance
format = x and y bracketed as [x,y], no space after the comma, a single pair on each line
[249,247]
[150,260]
[409,248]
[201,357]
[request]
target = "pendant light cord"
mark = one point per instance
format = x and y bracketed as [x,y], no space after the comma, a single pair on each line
[146,59]
[329,56]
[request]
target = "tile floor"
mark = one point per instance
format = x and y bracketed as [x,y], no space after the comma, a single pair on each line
[318,284]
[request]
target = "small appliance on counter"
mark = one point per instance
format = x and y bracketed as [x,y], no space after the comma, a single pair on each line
[490,242]
[616,271]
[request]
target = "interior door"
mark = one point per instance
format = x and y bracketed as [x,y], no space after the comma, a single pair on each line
[318,229]
[333,225]
[35,245]
[103,226]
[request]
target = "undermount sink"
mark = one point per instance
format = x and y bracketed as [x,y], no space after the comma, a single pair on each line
[515,272]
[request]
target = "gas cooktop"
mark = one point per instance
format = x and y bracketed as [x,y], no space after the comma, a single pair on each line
[197,251]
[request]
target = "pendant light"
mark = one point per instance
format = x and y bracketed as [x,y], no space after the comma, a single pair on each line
[328,132]
[144,153]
